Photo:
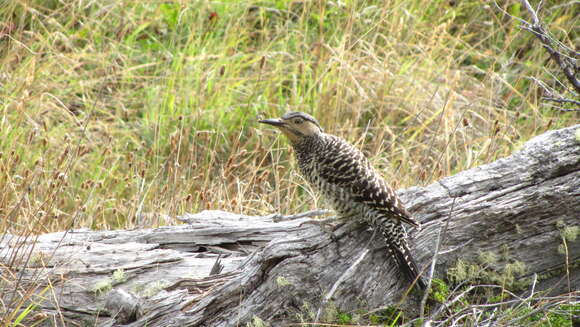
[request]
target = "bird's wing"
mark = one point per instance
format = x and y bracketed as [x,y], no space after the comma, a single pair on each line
[377,194]
[340,163]
[348,168]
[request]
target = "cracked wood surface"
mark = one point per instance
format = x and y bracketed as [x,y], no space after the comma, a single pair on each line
[514,207]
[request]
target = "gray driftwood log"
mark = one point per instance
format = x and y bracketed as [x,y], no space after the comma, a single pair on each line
[515,207]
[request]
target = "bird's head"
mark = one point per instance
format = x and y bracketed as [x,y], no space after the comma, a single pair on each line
[295,125]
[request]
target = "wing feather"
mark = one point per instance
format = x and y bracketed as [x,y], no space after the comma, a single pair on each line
[345,166]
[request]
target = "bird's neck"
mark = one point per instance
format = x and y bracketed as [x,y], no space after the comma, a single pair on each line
[304,144]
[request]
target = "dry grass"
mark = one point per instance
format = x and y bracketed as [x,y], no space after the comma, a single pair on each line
[114,114]
[117,114]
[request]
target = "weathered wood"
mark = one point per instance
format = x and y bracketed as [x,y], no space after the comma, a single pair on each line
[273,269]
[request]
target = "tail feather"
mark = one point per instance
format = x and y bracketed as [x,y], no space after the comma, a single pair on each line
[407,264]
[396,237]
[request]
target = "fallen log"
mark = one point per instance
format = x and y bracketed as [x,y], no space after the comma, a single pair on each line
[519,209]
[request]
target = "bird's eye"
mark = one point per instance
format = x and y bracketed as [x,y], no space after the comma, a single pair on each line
[297,121]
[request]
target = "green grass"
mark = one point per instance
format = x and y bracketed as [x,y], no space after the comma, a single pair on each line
[118,114]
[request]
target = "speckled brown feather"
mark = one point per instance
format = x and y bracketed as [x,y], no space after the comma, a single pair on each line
[355,189]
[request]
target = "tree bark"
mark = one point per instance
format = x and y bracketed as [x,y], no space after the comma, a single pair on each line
[286,270]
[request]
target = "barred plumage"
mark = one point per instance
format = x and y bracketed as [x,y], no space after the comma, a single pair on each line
[346,178]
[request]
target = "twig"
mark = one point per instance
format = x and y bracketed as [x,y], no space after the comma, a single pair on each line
[342,277]
[567,256]
[553,96]
[533,290]
[561,100]
[566,63]
[440,237]
[455,248]
[450,303]
[540,308]
[535,19]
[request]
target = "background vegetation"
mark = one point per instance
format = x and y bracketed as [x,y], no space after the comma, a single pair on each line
[123,114]
[116,114]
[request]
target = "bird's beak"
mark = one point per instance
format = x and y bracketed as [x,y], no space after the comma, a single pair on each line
[274,122]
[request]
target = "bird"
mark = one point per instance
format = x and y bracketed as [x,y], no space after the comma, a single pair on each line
[354,188]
